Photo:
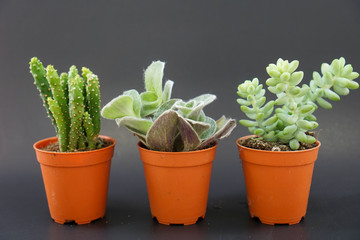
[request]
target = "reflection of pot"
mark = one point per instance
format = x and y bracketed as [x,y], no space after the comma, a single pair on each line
[76,183]
[178,183]
[277,183]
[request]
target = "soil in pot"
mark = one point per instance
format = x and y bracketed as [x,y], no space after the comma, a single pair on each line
[258,143]
[54,146]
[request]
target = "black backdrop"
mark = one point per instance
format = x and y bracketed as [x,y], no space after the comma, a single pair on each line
[209,46]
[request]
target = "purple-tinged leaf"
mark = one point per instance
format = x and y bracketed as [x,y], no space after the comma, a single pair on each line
[189,136]
[224,128]
[161,136]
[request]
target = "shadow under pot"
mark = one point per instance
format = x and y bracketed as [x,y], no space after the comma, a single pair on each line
[277,183]
[76,183]
[177,184]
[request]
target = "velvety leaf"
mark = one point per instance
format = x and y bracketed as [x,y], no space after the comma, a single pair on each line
[149,103]
[165,106]
[211,131]
[199,126]
[153,77]
[167,90]
[136,125]
[189,136]
[119,107]
[224,127]
[161,136]
[195,112]
[205,98]
[136,100]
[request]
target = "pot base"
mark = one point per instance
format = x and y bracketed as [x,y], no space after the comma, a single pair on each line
[185,222]
[269,221]
[78,222]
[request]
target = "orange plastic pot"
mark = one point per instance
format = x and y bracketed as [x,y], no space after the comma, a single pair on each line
[76,183]
[178,184]
[277,183]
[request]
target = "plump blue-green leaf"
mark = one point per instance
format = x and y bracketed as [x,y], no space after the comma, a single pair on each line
[153,77]
[294,144]
[285,76]
[119,107]
[307,125]
[332,95]
[289,130]
[307,109]
[341,82]
[167,90]
[268,106]
[248,123]
[274,90]
[292,119]
[161,136]
[259,131]
[352,85]
[270,136]
[246,109]
[301,136]
[260,102]
[270,121]
[347,70]
[353,75]
[341,90]
[323,103]
[243,102]
[293,66]
[310,118]
[335,66]
[135,125]
[272,82]
[325,68]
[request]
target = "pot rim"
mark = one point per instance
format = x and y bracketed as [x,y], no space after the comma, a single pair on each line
[54,139]
[139,144]
[73,159]
[177,159]
[276,152]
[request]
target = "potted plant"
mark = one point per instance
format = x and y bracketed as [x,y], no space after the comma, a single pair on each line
[278,159]
[75,165]
[177,144]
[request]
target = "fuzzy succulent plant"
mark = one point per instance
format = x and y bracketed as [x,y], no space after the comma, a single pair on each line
[165,124]
[72,103]
[294,116]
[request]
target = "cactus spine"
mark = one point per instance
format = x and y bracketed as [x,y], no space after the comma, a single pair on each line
[73,104]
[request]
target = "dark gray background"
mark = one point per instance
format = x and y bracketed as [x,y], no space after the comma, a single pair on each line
[209,46]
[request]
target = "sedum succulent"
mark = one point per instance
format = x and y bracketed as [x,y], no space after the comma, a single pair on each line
[294,116]
[165,124]
[73,104]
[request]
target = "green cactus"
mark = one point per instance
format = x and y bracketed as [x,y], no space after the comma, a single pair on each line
[295,117]
[93,100]
[165,124]
[73,103]
[77,109]
[38,72]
